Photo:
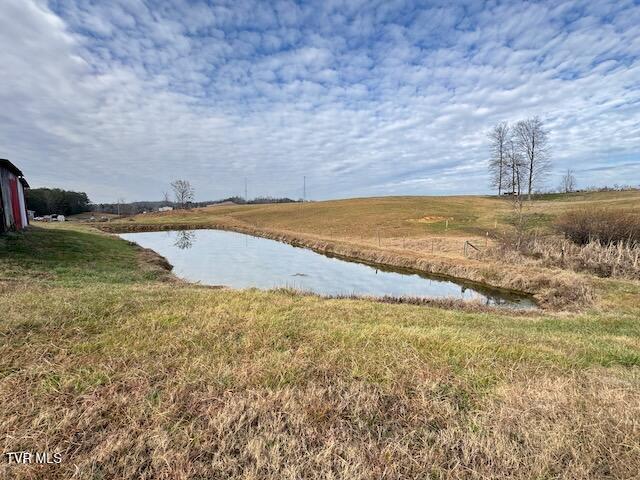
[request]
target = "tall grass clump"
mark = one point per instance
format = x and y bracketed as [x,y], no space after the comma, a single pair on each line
[607,226]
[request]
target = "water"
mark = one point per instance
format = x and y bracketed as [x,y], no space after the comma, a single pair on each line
[215,257]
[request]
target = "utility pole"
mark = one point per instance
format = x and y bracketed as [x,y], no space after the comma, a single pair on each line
[304,189]
[245,190]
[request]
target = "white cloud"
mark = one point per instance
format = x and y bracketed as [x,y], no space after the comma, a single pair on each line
[117,100]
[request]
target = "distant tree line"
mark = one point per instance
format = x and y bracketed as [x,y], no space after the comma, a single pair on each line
[51,201]
[127,208]
[133,208]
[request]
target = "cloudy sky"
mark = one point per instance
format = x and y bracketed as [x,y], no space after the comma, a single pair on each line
[363,97]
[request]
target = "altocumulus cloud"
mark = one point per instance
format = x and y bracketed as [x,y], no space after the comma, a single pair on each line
[364,98]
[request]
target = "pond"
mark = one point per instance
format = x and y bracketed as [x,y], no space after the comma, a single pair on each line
[216,257]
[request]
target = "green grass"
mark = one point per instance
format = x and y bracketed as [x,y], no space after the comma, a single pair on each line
[134,376]
[70,255]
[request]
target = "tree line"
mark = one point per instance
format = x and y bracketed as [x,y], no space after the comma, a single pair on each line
[52,201]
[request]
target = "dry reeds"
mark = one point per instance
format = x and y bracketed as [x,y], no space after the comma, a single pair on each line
[615,260]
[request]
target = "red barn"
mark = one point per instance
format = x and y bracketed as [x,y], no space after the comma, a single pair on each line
[13,205]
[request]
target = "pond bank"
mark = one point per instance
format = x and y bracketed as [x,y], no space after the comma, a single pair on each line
[552,289]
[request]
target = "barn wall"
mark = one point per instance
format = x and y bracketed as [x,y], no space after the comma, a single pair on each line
[15,202]
[3,228]
[5,187]
[13,208]
[23,206]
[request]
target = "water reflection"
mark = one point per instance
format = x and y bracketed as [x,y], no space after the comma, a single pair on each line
[184,239]
[215,257]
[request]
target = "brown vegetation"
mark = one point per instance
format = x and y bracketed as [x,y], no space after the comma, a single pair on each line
[607,226]
[621,260]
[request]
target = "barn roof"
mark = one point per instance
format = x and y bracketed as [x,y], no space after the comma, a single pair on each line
[4,163]
[24,182]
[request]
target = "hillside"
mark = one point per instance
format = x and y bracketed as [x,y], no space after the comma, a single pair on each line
[394,218]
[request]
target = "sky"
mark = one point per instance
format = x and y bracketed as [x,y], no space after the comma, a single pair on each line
[364,98]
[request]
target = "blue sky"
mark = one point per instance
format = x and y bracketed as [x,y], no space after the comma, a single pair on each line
[364,98]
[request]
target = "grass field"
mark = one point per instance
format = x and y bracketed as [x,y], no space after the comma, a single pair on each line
[130,373]
[395,218]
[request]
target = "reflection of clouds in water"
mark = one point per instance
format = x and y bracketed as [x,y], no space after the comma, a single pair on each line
[242,261]
[184,239]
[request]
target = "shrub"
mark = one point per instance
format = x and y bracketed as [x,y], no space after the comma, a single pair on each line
[607,226]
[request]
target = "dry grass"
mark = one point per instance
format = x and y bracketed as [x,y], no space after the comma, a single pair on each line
[362,219]
[160,381]
[621,260]
[130,376]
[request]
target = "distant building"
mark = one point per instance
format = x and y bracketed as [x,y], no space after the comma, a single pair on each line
[165,209]
[13,205]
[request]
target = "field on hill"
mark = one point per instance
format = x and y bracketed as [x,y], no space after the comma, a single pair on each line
[394,218]
[129,372]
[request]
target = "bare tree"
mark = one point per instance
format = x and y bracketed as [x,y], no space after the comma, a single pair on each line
[166,200]
[568,182]
[533,143]
[183,192]
[514,169]
[120,203]
[499,138]
[184,239]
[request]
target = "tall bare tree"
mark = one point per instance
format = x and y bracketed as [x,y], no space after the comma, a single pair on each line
[568,183]
[514,180]
[515,168]
[532,142]
[183,192]
[499,138]
[120,203]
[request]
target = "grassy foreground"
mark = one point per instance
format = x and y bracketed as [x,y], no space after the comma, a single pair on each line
[128,373]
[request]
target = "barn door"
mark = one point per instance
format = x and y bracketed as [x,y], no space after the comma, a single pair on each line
[15,202]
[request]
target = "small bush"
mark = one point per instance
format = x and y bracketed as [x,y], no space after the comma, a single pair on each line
[607,226]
